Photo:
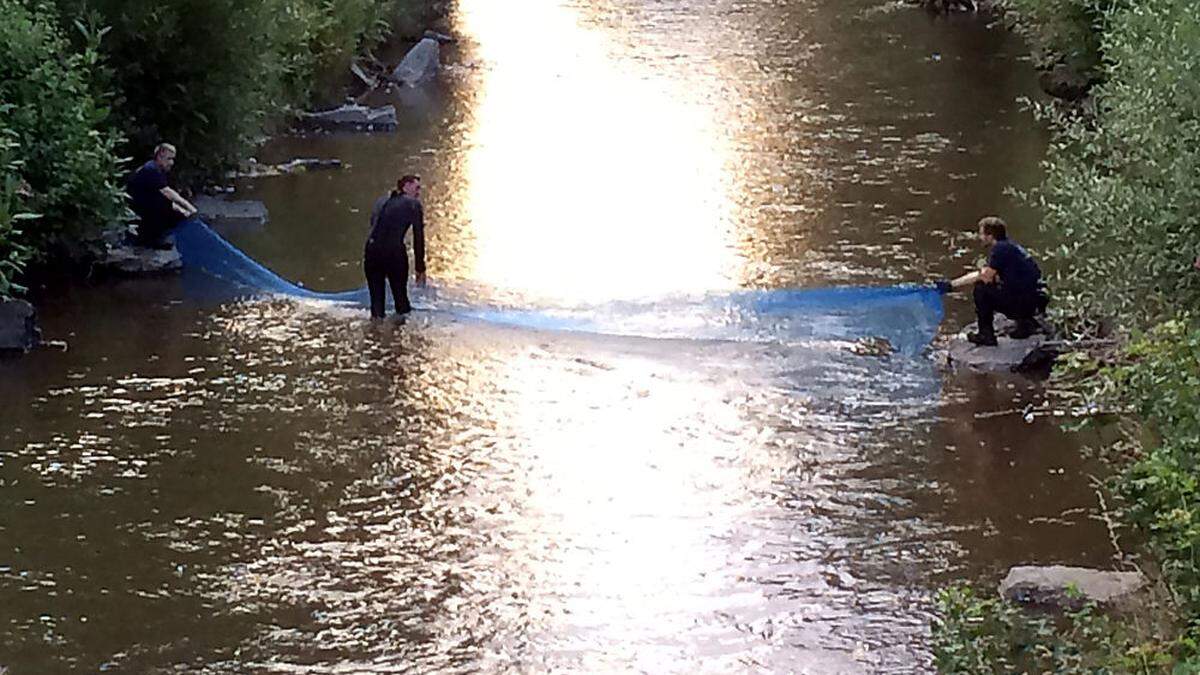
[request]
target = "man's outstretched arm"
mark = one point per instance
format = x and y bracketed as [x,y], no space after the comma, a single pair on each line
[970,279]
[178,202]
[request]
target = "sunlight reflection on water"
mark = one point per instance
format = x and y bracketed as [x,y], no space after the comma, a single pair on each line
[612,187]
[654,505]
[222,485]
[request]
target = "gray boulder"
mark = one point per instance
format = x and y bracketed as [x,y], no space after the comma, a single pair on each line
[128,260]
[1008,356]
[1068,587]
[18,326]
[231,214]
[420,65]
[352,117]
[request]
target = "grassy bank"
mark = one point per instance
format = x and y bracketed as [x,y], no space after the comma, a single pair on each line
[87,83]
[1122,190]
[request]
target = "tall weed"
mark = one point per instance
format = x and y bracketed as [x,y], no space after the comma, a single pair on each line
[58,157]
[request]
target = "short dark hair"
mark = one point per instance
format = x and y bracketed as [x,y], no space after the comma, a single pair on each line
[994,227]
[405,180]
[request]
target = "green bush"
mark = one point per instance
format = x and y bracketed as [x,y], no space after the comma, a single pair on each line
[198,73]
[1122,192]
[1160,376]
[1063,30]
[210,76]
[1123,189]
[59,161]
[1157,376]
[974,634]
[13,253]
[316,41]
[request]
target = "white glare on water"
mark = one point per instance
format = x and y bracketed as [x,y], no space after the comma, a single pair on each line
[590,177]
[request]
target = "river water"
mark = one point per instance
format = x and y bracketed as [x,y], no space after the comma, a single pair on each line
[269,485]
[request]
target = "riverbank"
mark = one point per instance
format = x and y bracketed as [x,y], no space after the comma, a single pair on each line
[1121,187]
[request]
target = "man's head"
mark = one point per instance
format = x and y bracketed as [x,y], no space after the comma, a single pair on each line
[410,185]
[164,156]
[992,230]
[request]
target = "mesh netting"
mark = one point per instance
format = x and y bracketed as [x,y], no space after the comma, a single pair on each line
[906,316]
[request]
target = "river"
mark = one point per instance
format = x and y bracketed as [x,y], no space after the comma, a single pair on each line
[272,485]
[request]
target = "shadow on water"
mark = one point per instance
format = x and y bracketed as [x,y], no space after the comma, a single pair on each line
[222,484]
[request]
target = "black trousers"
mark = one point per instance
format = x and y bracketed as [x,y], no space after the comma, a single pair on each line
[384,268]
[155,223]
[1016,305]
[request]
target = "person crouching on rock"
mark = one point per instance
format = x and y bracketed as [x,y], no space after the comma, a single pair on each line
[159,207]
[1010,283]
[385,258]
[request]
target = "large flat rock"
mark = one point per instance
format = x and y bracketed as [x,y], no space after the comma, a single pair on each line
[18,326]
[1068,587]
[232,214]
[1008,356]
[127,260]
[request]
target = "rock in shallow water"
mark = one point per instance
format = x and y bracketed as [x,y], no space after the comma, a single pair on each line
[420,64]
[1067,587]
[352,118]
[128,260]
[18,326]
[1008,356]
[232,214]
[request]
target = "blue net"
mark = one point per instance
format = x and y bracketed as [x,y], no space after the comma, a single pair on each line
[907,316]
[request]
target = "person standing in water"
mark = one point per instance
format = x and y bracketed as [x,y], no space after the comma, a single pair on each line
[385,257]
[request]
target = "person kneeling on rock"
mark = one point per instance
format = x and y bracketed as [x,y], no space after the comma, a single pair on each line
[1010,283]
[159,207]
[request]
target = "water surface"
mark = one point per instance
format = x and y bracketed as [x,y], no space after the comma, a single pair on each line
[207,484]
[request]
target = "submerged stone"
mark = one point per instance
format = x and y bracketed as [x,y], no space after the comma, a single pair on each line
[309,164]
[1067,587]
[232,214]
[352,117]
[18,326]
[253,169]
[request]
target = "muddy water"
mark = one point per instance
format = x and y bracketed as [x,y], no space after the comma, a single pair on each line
[209,485]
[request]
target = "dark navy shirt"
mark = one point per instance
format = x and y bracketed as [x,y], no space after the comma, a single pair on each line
[1018,270]
[390,219]
[145,187]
